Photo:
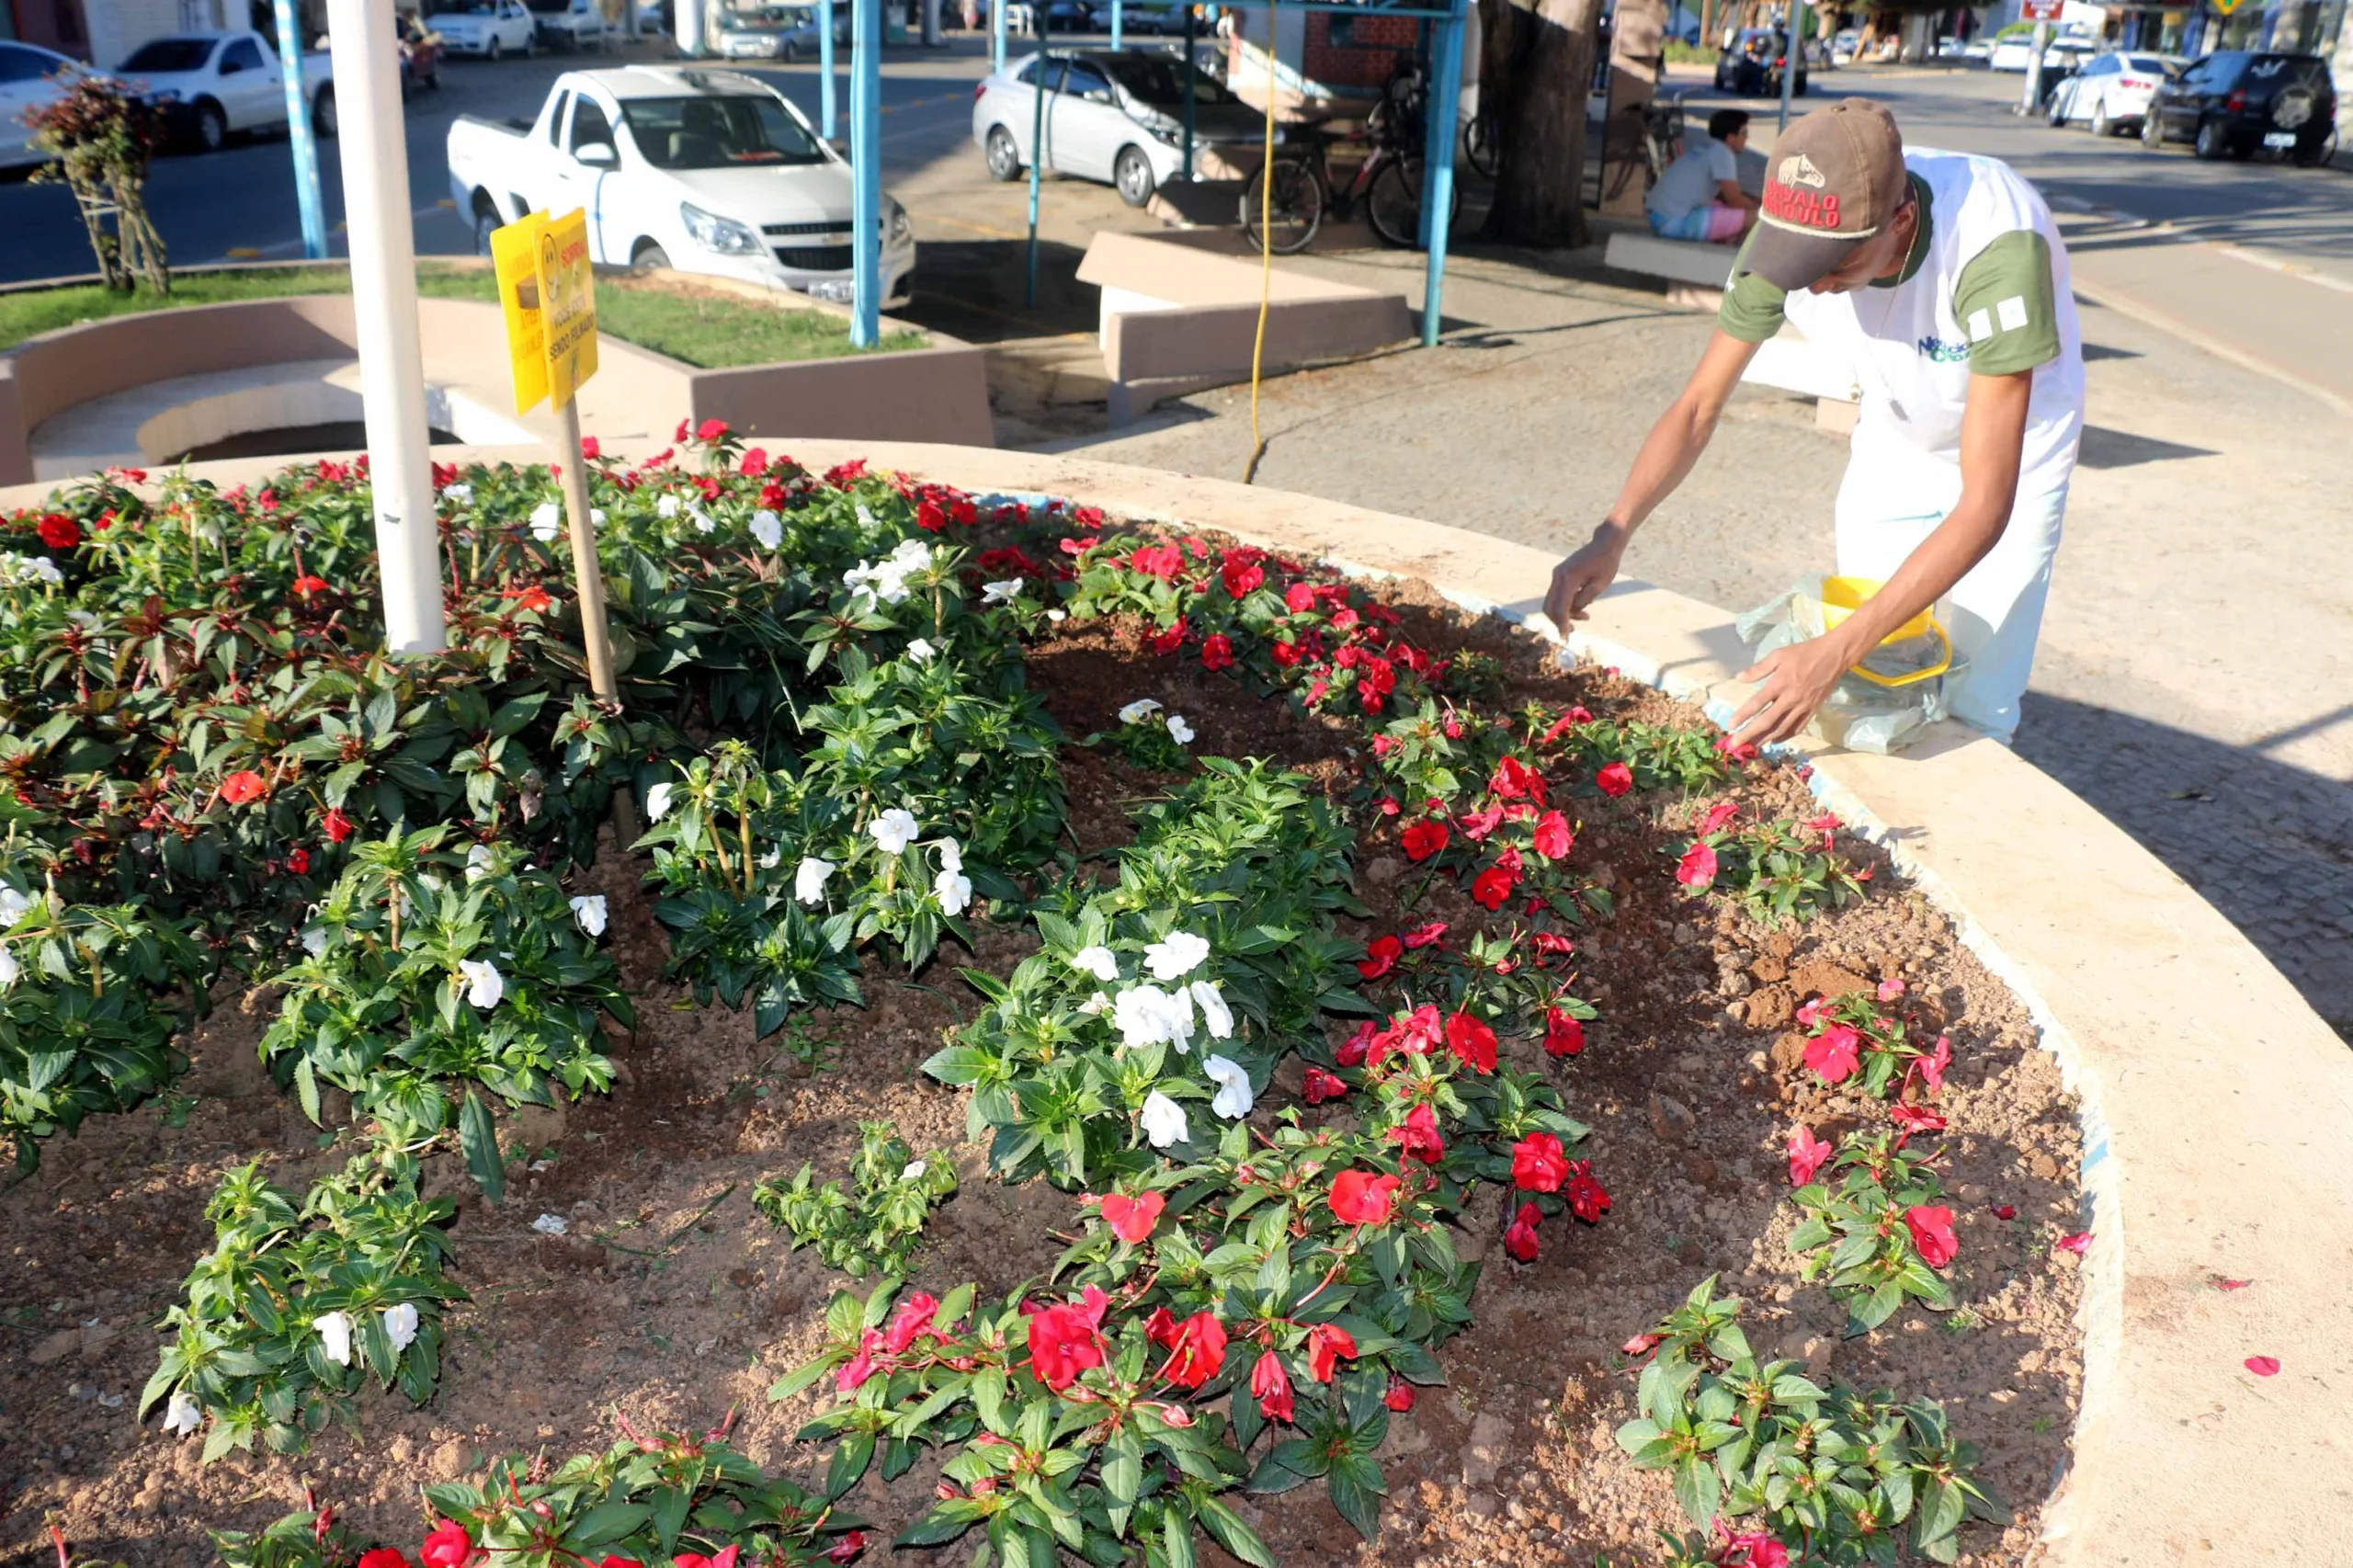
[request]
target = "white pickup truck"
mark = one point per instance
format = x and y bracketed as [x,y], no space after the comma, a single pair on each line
[212,83]
[704,171]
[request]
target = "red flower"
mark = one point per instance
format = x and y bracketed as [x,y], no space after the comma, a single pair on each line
[448,1547]
[1352,1050]
[1424,838]
[1382,957]
[1400,1397]
[845,1549]
[681,433]
[1286,654]
[1833,1052]
[1062,1339]
[1217,651]
[1492,887]
[336,826]
[1807,1155]
[1915,1120]
[1472,1040]
[58,532]
[1718,814]
[1322,1086]
[1344,620]
[1553,942]
[1131,1219]
[1426,935]
[696,1560]
[2078,1244]
[242,785]
[1418,1136]
[1166,642]
[299,862]
[307,584]
[1563,1034]
[711,430]
[2004,1212]
[1934,1064]
[1753,1550]
[1931,1228]
[1554,839]
[1361,1197]
[1698,871]
[1327,1344]
[1241,576]
[1515,780]
[1271,1386]
[1589,1200]
[1196,1349]
[383,1557]
[853,1373]
[1519,1237]
[913,1321]
[1615,779]
[1538,1165]
[1476,825]
[1298,598]
[1641,1344]
[2263,1365]
[930,515]
[1160,560]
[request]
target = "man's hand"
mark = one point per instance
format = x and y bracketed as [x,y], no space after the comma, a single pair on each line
[1793,684]
[1579,580]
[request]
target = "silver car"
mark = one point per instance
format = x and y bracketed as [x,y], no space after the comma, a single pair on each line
[1116,117]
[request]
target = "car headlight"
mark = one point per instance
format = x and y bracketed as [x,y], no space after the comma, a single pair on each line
[895,221]
[711,232]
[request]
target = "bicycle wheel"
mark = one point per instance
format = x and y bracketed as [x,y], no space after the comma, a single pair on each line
[1393,205]
[1294,206]
[1481,149]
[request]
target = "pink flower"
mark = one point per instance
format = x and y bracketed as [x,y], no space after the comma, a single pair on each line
[2078,1244]
[861,1367]
[912,1321]
[1915,1120]
[2263,1365]
[1641,1344]
[1697,871]
[1807,1155]
[1615,779]
[1833,1052]
[1931,1228]
[1554,839]
[1889,990]
[1933,1065]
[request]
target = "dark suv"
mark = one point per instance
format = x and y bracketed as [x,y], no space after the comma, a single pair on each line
[2237,103]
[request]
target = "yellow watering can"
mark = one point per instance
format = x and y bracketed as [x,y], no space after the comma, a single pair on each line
[1842,596]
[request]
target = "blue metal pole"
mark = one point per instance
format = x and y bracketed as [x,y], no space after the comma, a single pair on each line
[1118,19]
[997,34]
[1438,162]
[1189,68]
[1047,74]
[298,133]
[865,170]
[826,64]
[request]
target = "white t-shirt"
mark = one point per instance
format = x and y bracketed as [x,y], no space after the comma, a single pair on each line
[1690,182]
[1985,291]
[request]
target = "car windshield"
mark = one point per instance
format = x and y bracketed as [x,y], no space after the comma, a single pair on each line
[469,8]
[718,133]
[167,54]
[1159,80]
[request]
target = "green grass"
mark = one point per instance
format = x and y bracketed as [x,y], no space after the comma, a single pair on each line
[706,329]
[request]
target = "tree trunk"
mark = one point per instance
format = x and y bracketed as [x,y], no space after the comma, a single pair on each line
[1538,70]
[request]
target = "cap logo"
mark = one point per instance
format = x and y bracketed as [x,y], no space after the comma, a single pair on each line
[1798,169]
[1791,208]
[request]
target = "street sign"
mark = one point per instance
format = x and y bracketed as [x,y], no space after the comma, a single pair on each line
[2041,10]
[515,252]
[567,304]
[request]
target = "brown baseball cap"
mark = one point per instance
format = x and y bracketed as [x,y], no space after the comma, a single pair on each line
[1835,178]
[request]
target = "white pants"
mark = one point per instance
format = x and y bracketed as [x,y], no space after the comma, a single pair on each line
[1892,497]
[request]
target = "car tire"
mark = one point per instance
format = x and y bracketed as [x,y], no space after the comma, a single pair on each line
[648,257]
[486,223]
[790,55]
[2101,124]
[2055,117]
[495,50]
[2212,141]
[1004,157]
[211,127]
[324,117]
[1131,173]
[2153,129]
[2311,155]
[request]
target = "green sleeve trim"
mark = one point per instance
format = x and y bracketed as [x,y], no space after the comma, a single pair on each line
[1752,307]
[2007,306]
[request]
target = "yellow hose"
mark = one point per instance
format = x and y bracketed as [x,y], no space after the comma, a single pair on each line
[1266,258]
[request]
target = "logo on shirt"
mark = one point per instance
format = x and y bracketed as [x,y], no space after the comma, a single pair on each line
[1943,353]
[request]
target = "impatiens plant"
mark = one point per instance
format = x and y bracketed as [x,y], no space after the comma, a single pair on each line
[874,1225]
[1151,737]
[1776,870]
[295,1309]
[1864,1038]
[1829,1476]
[1875,1231]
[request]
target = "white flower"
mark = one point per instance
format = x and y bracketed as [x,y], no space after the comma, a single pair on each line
[1136,712]
[182,1415]
[589,910]
[1180,954]
[1163,1120]
[704,522]
[13,905]
[8,970]
[1003,593]
[46,570]
[865,516]
[1145,1015]
[1180,731]
[952,855]
[1234,1099]
[335,1335]
[809,879]
[773,858]
[954,891]
[1215,1013]
[458,495]
[1095,1006]
[894,830]
[547,521]
[551,1225]
[914,1170]
[666,507]
[477,862]
[768,528]
[314,940]
[1057,617]
[1098,961]
[657,800]
[484,984]
[921,650]
[399,1325]
[595,516]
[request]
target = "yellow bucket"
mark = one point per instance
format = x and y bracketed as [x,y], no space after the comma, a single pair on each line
[1842,596]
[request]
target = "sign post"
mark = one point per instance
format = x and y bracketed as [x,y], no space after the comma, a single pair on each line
[2041,13]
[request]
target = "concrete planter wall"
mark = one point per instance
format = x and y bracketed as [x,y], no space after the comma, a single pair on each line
[2218,1106]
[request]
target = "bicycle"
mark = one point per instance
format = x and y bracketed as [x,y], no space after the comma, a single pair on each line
[1388,182]
[1662,135]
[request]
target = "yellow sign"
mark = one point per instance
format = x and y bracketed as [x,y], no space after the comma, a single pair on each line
[515,251]
[567,304]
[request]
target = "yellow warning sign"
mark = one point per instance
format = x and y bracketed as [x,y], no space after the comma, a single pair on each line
[515,252]
[567,304]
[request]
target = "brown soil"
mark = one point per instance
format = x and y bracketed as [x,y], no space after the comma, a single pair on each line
[672,1300]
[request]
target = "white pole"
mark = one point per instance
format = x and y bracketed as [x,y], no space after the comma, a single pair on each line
[383,301]
[2034,69]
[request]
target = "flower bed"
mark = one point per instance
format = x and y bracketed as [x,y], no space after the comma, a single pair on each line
[1311,1050]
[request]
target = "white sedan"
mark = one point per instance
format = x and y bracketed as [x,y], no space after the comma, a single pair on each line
[2112,92]
[487,27]
[28,81]
[1116,117]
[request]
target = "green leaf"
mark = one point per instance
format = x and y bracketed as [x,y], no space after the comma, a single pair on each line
[609,1522]
[1234,1535]
[1356,1488]
[850,1462]
[479,1139]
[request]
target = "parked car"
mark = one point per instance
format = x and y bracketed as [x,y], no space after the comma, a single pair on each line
[1951,49]
[488,28]
[210,84]
[1145,17]
[1979,47]
[2233,103]
[2112,91]
[785,32]
[1076,16]
[570,24]
[1111,115]
[702,170]
[2014,47]
[28,81]
[804,39]
[1751,66]
[1843,44]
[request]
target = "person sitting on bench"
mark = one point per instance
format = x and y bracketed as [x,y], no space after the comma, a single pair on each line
[1700,197]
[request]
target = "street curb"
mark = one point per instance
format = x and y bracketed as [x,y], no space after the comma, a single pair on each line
[2125,303]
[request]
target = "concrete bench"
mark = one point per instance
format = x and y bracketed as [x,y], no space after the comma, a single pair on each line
[1677,261]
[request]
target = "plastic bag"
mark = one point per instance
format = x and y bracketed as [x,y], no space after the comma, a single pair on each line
[1899,689]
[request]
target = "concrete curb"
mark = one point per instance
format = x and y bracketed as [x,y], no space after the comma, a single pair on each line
[2217,1106]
